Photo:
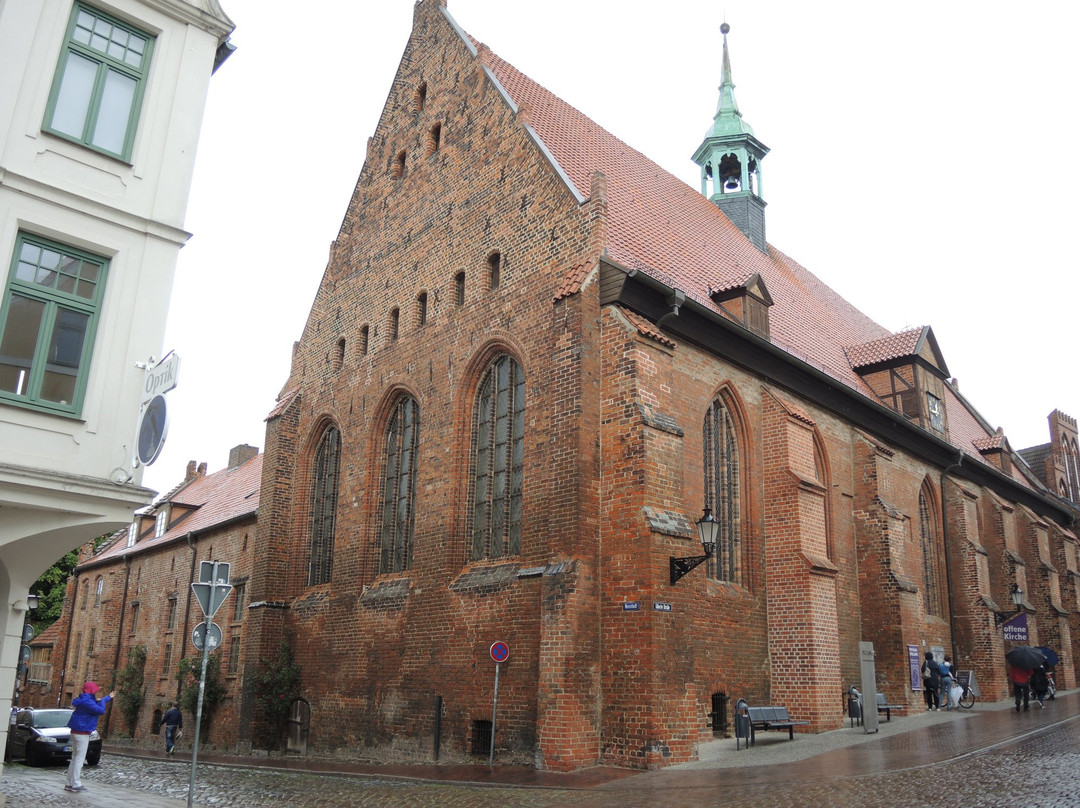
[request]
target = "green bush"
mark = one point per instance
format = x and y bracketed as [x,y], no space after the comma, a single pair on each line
[274,685]
[128,685]
[188,675]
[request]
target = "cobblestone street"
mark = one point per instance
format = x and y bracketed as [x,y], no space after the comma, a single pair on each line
[1039,767]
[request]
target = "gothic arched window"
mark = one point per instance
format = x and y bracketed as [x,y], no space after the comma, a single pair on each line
[324,494]
[723,488]
[497,460]
[931,555]
[399,487]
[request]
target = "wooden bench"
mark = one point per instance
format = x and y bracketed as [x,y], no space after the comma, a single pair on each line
[884,707]
[753,719]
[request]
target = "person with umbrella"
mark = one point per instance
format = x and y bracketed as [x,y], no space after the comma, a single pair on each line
[1022,661]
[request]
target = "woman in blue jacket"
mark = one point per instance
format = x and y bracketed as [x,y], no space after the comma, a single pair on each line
[83,721]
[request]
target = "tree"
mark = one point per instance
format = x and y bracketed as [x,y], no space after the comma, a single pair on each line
[188,675]
[52,585]
[128,685]
[274,685]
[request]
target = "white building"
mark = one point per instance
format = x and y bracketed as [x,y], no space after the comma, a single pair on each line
[101,103]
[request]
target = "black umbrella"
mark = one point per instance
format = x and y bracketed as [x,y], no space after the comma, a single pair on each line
[1051,656]
[1026,657]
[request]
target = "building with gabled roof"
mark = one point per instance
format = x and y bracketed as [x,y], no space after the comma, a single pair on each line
[536,365]
[135,591]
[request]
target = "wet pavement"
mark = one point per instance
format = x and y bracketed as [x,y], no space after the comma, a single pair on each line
[990,756]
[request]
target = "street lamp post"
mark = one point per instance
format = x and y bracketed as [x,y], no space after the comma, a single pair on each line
[708,528]
[1017,595]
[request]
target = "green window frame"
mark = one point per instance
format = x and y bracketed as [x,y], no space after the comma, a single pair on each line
[48,319]
[100,79]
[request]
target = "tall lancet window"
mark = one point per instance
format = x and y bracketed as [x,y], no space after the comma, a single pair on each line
[723,488]
[498,460]
[324,495]
[399,487]
[931,554]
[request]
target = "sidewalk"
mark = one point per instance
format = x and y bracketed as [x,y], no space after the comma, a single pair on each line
[905,742]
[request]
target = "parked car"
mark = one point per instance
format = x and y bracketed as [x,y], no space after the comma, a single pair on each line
[42,736]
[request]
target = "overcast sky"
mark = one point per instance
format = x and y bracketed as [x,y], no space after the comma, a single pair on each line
[924,163]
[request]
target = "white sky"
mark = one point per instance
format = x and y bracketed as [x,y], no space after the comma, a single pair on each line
[924,164]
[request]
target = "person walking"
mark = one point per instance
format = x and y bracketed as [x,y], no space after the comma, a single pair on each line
[87,709]
[1021,679]
[174,722]
[931,674]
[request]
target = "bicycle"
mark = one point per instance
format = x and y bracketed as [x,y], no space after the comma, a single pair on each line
[967,698]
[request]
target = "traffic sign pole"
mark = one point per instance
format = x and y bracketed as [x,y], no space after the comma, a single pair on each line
[494,710]
[499,651]
[211,590]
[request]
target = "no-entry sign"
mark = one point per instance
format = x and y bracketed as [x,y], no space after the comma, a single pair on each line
[500,651]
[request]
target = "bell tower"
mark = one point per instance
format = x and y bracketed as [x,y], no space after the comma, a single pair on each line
[730,159]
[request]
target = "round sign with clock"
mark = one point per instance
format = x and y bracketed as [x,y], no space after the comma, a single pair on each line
[153,426]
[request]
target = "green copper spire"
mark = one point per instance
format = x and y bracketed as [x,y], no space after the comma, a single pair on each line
[730,159]
[728,119]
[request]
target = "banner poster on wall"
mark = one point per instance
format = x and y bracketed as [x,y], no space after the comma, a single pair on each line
[914,664]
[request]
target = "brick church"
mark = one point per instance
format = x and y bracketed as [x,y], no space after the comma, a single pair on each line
[535,363]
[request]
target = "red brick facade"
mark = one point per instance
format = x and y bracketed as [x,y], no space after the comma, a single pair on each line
[492,220]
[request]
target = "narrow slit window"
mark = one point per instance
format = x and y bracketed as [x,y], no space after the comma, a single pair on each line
[419,97]
[395,318]
[495,269]
[459,289]
[397,167]
[421,309]
[433,139]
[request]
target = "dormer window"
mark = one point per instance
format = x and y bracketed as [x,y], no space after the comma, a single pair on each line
[161,523]
[747,303]
[907,373]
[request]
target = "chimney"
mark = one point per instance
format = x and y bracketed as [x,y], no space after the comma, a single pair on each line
[189,475]
[241,454]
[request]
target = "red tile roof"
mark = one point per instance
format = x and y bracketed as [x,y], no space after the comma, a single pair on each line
[660,226]
[217,498]
[895,346]
[646,328]
[574,278]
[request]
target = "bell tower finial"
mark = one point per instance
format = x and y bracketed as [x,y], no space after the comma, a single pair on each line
[730,159]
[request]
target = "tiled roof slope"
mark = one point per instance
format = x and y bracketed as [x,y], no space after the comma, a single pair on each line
[659,225]
[894,346]
[217,498]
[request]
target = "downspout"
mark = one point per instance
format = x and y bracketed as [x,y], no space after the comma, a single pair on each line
[67,642]
[676,299]
[948,569]
[187,603]
[119,639]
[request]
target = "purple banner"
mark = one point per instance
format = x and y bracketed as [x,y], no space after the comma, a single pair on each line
[1016,629]
[914,663]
